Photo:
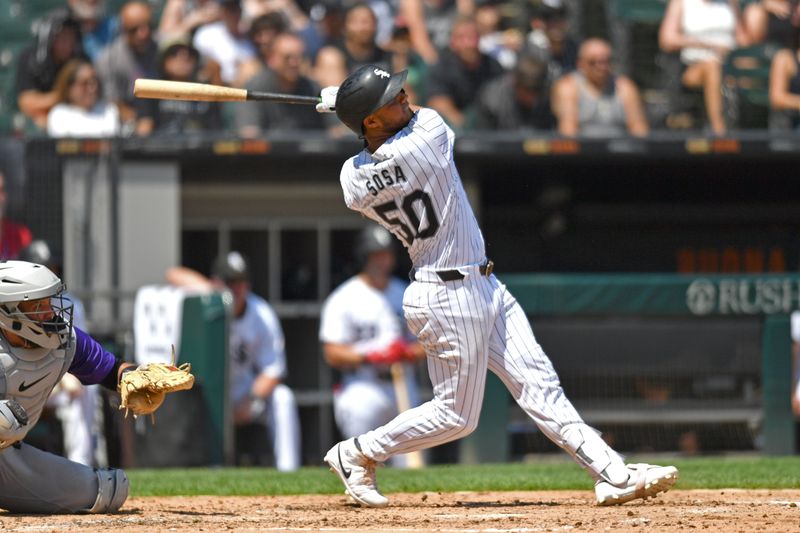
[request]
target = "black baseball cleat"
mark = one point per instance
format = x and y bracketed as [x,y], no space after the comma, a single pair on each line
[357,472]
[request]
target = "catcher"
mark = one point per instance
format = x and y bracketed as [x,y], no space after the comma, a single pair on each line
[38,345]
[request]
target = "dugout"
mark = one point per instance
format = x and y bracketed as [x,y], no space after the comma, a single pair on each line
[664,354]
[670,204]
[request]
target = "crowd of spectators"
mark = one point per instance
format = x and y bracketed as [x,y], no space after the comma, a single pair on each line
[483,64]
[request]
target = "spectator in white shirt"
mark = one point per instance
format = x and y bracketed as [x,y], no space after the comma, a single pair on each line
[81,111]
[225,43]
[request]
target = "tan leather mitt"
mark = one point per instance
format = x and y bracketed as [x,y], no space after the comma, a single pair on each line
[142,390]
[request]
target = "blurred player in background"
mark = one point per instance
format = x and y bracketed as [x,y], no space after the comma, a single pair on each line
[363,334]
[257,357]
[14,236]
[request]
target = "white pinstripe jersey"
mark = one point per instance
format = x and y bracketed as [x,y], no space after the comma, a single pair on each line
[257,346]
[411,187]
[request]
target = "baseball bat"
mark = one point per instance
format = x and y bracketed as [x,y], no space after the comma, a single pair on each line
[184,90]
[415,459]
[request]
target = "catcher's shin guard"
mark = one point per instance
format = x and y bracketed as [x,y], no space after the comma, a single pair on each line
[112,490]
[593,454]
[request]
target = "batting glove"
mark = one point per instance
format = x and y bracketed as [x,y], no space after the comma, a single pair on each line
[394,353]
[327,100]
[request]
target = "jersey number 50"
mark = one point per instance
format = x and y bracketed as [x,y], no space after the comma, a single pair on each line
[407,206]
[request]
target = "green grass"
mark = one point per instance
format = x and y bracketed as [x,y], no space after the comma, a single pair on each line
[699,473]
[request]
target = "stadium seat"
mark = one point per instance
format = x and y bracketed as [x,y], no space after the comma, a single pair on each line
[8,66]
[634,36]
[644,11]
[746,85]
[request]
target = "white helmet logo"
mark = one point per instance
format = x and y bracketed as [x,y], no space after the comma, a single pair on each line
[382,73]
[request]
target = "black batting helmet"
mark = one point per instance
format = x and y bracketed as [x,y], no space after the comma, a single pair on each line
[365,91]
[372,239]
[38,251]
[231,267]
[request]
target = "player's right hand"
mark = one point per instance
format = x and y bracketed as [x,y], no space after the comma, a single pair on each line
[327,99]
[12,418]
[396,352]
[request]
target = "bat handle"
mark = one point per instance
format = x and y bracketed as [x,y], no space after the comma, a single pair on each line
[283,98]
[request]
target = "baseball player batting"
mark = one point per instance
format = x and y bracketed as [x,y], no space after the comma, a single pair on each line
[405,180]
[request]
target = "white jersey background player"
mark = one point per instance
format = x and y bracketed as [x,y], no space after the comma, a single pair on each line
[406,180]
[363,333]
[256,348]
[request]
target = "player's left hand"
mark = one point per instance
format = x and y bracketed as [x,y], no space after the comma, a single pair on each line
[328,100]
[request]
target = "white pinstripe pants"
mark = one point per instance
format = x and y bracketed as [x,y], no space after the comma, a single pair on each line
[465,327]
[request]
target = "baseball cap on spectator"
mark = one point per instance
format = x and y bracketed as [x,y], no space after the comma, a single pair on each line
[171,48]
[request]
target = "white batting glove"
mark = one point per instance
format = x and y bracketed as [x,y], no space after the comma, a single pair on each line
[328,97]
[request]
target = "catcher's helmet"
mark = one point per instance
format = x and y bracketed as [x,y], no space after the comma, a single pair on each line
[365,91]
[23,281]
[372,239]
[231,267]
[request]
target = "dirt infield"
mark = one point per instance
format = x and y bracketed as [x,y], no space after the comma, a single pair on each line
[712,510]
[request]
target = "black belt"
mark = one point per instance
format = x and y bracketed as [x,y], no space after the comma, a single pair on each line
[484,268]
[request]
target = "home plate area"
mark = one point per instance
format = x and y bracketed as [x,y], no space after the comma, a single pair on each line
[729,510]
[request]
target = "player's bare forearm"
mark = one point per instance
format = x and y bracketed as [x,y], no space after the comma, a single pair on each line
[263,386]
[186,277]
[342,356]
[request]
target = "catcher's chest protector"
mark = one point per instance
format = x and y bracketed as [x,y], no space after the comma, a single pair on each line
[29,375]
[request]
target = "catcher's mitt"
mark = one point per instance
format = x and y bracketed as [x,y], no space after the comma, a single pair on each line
[142,390]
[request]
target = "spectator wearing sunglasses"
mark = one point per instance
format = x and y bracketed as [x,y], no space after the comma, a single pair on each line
[132,55]
[594,102]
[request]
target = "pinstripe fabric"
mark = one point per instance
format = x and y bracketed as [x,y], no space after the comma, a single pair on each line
[423,153]
[466,326]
